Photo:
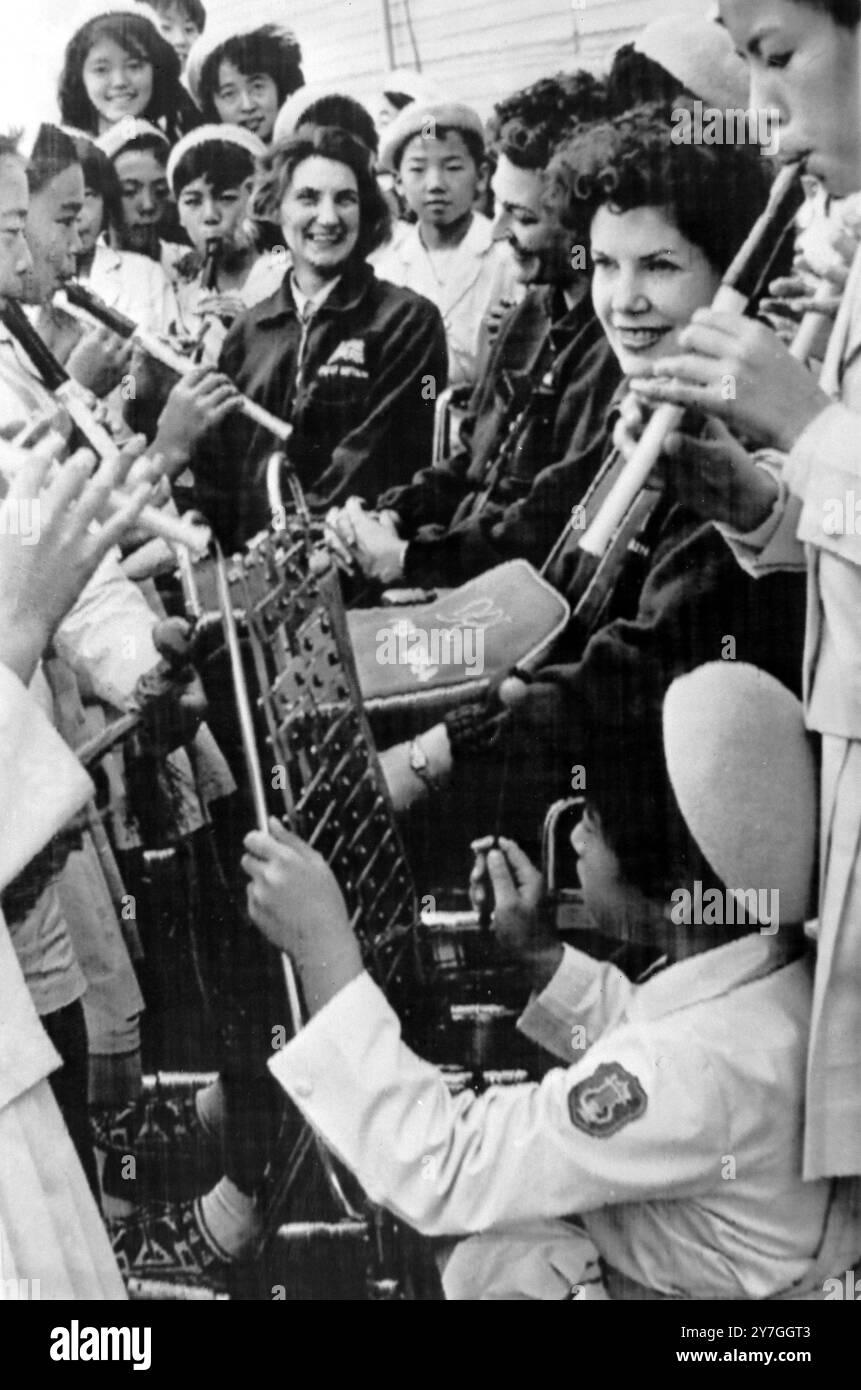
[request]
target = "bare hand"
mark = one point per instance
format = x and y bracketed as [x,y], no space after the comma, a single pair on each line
[717,478]
[375,546]
[100,361]
[494,316]
[198,402]
[518,892]
[633,418]
[403,786]
[43,572]
[226,307]
[740,371]
[520,925]
[294,899]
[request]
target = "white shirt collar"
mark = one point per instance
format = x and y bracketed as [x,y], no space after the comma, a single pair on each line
[309,303]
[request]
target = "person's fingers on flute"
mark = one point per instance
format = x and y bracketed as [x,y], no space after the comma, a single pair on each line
[713,474]
[673,390]
[25,471]
[785,328]
[629,426]
[845,243]
[125,517]
[68,483]
[94,504]
[793,311]
[789,287]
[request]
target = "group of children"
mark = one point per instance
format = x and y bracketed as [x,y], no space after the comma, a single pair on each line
[699,1136]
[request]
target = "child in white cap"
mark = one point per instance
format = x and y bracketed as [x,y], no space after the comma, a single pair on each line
[673,1127]
[449,254]
[211,174]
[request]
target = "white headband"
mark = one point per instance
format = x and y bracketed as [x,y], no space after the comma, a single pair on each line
[211,135]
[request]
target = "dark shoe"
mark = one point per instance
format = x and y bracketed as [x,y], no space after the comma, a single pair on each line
[167,1241]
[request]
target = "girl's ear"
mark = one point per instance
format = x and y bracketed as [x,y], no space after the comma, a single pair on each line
[482,176]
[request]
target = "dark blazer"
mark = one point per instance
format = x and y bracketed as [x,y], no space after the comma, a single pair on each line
[555,362]
[359,386]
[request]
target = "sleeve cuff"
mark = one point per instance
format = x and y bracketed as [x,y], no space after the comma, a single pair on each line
[584,998]
[774,545]
[341,1028]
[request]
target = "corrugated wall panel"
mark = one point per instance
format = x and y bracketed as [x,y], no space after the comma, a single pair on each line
[479,50]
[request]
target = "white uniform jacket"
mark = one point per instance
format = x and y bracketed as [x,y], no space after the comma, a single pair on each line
[463,283]
[676,1135]
[135,286]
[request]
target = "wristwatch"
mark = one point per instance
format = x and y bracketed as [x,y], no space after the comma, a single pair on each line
[420,765]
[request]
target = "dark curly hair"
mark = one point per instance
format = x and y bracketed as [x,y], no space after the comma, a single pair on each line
[713,193]
[281,162]
[527,126]
[266,50]
[170,107]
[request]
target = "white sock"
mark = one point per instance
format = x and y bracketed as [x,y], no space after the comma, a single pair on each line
[230,1218]
[209,1105]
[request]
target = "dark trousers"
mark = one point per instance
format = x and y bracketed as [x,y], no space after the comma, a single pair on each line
[68,1032]
[244,984]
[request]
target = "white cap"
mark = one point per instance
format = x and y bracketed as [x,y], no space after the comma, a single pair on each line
[232,22]
[127,129]
[699,53]
[744,778]
[214,134]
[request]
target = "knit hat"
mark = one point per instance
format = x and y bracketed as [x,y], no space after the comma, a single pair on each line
[233,21]
[214,134]
[126,130]
[744,777]
[414,119]
[700,54]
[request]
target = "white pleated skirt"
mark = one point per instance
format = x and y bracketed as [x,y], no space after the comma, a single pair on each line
[53,1244]
[832,1142]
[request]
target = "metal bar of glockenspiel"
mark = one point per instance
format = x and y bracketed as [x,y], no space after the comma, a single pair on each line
[261,812]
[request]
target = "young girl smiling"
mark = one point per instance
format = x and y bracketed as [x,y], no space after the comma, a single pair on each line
[118,66]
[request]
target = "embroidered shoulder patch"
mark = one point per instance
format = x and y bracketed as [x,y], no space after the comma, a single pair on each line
[606,1101]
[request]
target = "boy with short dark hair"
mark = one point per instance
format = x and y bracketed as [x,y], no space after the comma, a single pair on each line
[449,255]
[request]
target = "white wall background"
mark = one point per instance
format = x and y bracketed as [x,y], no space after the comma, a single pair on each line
[479,50]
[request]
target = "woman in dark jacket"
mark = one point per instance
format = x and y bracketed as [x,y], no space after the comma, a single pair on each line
[352,362]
